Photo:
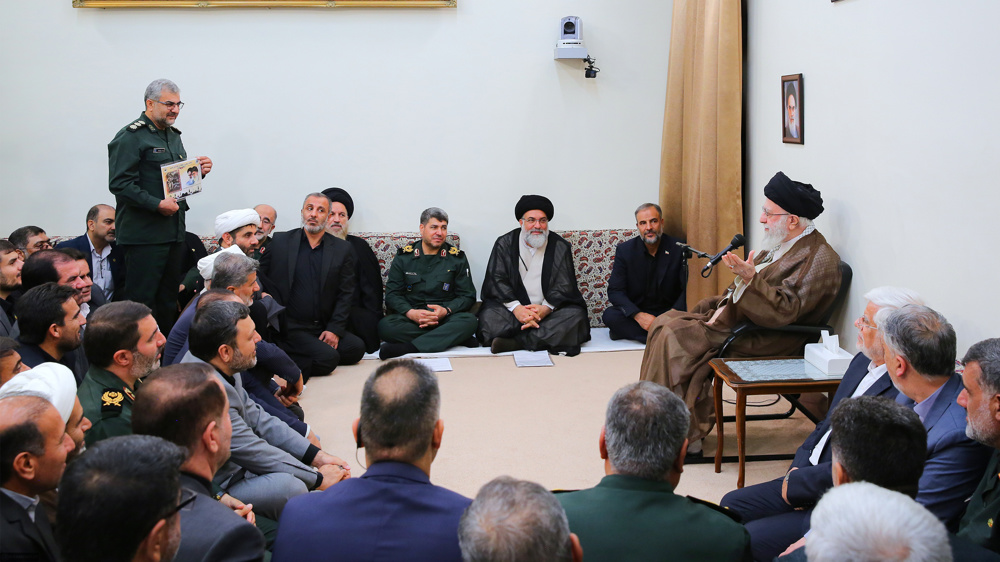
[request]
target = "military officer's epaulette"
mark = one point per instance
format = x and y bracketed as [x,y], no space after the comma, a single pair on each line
[111,401]
[139,123]
[716,507]
[407,249]
[453,250]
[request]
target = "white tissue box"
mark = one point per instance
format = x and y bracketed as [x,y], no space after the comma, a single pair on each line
[831,362]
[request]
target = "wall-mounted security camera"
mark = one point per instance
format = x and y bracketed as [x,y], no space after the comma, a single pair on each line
[570,43]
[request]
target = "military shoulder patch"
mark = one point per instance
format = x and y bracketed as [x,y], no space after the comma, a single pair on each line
[407,249]
[111,400]
[715,507]
[135,126]
[454,251]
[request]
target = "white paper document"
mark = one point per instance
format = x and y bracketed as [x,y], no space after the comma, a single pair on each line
[532,359]
[436,364]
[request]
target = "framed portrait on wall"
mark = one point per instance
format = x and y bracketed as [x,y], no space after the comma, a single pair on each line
[792,128]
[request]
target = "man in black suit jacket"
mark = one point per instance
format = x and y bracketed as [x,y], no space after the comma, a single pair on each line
[186,405]
[108,270]
[647,279]
[29,423]
[772,510]
[311,274]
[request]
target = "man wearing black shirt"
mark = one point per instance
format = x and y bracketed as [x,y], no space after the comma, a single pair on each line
[312,274]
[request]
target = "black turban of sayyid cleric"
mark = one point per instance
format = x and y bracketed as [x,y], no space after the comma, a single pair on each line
[532,202]
[338,195]
[797,198]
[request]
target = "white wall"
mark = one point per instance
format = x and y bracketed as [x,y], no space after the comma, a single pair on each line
[900,136]
[459,108]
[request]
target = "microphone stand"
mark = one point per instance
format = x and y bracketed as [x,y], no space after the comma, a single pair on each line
[688,253]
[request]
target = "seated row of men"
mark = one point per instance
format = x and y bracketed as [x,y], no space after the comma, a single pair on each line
[158,497]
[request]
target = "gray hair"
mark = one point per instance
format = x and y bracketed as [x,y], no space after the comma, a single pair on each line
[644,429]
[400,404]
[514,521]
[232,270]
[892,297]
[433,213]
[645,206]
[156,87]
[922,336]
[987,355]
[861,521]
[320,195]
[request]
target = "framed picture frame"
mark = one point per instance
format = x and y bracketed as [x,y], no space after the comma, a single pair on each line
[792,110]
[264,3]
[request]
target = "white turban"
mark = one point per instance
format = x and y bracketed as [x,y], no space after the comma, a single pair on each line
[231,220]
[206,265]
[54,381]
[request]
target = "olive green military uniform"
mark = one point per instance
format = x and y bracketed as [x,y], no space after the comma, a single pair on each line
[981,523]
[153,243]
[107,403]
[417,280]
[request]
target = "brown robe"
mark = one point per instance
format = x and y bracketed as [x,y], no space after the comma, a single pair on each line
[797,288]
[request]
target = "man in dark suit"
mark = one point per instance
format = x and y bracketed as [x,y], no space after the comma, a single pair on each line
[772,510]
[51,327]
[393,512]
[186,405]
[10,281]
[311,274]
[633,513]
[105,259]
[34,446]
[647,279]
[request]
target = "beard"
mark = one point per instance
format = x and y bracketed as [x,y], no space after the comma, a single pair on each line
[312,229]
[652,241]
[987,435]
[9,285]
[776,234]
[144,365]
[242,362]
[536,238]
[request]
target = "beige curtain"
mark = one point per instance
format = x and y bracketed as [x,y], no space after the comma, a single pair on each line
[701,166]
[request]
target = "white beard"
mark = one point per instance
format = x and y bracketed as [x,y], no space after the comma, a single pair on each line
[775,235]
[536,240]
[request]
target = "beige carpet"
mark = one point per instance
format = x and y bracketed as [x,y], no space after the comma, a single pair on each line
[540,423]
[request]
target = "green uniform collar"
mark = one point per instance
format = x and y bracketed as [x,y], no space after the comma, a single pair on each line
[623,482]
[110,380]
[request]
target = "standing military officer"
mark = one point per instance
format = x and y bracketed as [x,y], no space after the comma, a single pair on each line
[150,227]
[428,294]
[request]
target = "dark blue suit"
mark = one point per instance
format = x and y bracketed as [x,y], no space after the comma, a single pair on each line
[393,512]
[630,291]
[768,518]
[116,261]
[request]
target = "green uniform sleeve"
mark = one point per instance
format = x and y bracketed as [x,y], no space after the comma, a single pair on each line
[395,286]
[105,428]
[465,289]
[123,170]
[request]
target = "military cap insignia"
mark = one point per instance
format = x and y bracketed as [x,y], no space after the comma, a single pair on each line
[407,248]
[453,251]
[111,400]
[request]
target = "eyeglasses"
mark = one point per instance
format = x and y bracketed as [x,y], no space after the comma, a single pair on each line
[531,221]
[187,498]
[170,104]
[863,322]
[769,214]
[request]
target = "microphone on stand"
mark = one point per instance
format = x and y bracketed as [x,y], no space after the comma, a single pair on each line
[737,242]
[689,250]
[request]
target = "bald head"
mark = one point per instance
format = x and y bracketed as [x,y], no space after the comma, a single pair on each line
[34,444]
[400,405]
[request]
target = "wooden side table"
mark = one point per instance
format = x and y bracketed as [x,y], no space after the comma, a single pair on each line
[763,375]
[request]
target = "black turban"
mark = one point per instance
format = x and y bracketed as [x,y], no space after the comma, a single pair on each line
[797,198]
[532,202]
[338,195]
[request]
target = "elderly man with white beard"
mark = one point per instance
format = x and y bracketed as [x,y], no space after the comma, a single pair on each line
[530,297]
[793,280]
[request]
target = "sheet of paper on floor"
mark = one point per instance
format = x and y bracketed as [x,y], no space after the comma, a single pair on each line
[532,359]
[436,364]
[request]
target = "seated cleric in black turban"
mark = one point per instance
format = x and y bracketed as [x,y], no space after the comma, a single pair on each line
[798,198]
[531,202]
